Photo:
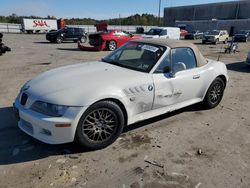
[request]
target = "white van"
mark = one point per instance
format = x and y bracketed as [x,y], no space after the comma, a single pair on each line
[163,32]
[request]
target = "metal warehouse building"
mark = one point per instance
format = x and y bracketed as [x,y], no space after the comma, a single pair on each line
[231,16]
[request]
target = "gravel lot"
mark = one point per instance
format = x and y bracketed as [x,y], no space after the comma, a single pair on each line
[156,153]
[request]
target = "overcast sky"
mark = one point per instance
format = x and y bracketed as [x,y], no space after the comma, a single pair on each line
[97,9]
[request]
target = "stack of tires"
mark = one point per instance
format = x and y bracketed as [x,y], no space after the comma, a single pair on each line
[3,48]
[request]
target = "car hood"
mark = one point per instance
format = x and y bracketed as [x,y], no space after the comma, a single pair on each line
[67,84]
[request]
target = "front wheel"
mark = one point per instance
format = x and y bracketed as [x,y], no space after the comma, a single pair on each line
[214,94]
[100,125]
[111,45]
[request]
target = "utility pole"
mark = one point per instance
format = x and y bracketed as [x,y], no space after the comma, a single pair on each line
[120,21]
[159,14]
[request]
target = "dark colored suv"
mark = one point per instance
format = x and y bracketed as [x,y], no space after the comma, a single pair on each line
[242,36]
[67,34]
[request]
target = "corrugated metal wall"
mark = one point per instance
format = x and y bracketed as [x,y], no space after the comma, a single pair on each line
[219,11]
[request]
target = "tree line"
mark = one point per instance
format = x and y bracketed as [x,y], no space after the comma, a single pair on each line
[137,19]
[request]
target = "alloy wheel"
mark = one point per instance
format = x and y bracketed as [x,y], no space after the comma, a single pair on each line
[99,125]
[215,93]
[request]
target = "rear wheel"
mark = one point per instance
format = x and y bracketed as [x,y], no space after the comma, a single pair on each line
[111,45]
[83,39]
[100,125]
[214,94]
[59,40]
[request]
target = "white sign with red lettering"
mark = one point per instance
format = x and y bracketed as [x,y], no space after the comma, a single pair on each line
[39,24]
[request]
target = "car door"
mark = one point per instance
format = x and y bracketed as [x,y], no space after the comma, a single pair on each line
[78,33]
[181,87]
[69,35]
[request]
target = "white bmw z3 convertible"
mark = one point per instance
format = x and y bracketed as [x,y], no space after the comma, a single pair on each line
[91,103]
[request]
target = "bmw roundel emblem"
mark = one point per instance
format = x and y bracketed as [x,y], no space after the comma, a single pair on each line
[150,87]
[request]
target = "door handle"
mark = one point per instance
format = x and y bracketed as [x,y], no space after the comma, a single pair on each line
[196,76]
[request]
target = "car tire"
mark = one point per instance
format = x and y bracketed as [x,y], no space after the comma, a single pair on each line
[214,93]
[83,39]
[100,125]
[203,42]
[216,41]
[111,45]
[59,40]
[1,52]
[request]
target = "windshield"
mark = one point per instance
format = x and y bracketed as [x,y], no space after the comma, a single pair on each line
[138,56]
[213,33]
[154,32]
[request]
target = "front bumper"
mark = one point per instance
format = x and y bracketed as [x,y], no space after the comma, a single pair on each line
[43,127]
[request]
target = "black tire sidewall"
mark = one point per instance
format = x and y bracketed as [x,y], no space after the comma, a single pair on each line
[83,141]
[207,101]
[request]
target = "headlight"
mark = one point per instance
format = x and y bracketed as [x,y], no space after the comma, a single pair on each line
[49,109]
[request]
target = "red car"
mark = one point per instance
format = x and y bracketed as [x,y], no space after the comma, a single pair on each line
[109,40]
[183,33]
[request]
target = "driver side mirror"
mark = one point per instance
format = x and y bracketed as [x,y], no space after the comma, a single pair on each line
[177,67]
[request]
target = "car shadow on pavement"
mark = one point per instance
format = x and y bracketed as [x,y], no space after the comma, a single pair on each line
[239,67]
[44,42]
[17,147]
[48,42]
[70,49]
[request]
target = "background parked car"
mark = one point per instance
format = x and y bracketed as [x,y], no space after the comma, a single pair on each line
[242,36]
[67,34]
[183,33]
[215,36]
[163,32]
[109,40]
[3,48]
[248,59]
[194,35]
